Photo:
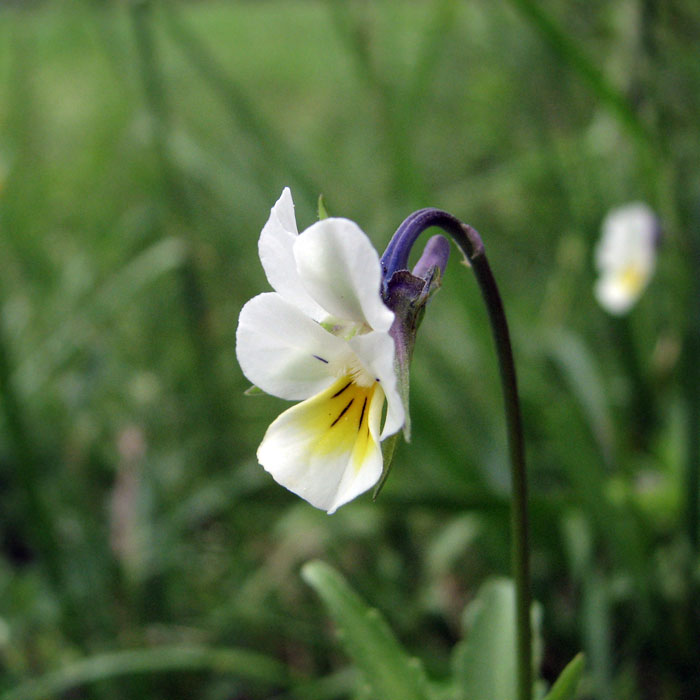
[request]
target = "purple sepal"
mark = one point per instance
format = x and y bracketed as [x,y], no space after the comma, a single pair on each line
[407,294]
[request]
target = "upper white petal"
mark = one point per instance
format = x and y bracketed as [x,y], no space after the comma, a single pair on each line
[375,351]
[340,269]
[275,248]
[283,351]
[629,236]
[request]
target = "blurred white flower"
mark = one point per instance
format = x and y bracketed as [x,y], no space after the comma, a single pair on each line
[626,256]
[321,337]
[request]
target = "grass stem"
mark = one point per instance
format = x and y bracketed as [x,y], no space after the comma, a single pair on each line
[193,295]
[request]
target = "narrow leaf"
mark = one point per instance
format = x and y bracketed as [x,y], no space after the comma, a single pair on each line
[388,449]
[578,368]
[485,663]
[238,662]
[565,47]
[565,686]
[386,667]
[322,210]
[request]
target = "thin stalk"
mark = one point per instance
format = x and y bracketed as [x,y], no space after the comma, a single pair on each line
[691,383]
[572,54]
[28,470]
[39,519]
[394,111]
[272,148]
[470,243]
[236,662]
[643,411]
[519,514]
[679,201]
[194,298]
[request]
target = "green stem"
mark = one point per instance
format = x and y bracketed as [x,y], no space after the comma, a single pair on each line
[237,662]
[395,258]
[27,469]
[194,298]
[642,401]
[471,245]
[572,54]
[272,148]
[691,384]
[394,112]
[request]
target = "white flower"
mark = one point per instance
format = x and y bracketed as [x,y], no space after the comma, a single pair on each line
[626,256]
[321,337]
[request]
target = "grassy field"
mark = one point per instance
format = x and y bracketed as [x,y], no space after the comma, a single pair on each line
[143,551]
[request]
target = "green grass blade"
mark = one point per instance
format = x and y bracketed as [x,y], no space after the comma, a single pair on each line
[435,35]
[396,120]
[27,469]
[104,303]
[485,662]
[565,686]
[239,662]
[567,49]
[273,149]
[364,633]
[580,371]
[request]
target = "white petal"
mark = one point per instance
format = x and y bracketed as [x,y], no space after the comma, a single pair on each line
[367,457]
[615,296]
[275,248]
[326,449]
[629,236]
[283,351]
[376,353]
[340,269]
[626,256]
[284,209]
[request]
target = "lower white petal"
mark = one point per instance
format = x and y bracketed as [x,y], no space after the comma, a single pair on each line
[614,296]
[618,290]
[326,449]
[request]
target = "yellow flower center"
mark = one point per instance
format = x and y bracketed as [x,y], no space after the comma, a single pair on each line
[631,279]
[340,417]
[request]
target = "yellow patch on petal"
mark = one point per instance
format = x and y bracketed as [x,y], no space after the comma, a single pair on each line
[631,278]
[339,416]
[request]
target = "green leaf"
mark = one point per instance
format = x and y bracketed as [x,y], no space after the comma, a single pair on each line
[125,285]
[386,667]
[565,686]
[322,211]
[485,663]
[578,368]
[564,45]
[254,391]
[388,449]
[229,661]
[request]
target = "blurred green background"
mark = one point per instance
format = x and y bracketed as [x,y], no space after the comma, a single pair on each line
[143,552]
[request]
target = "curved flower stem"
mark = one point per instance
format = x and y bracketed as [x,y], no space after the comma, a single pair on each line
[691,380]
[470,243]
